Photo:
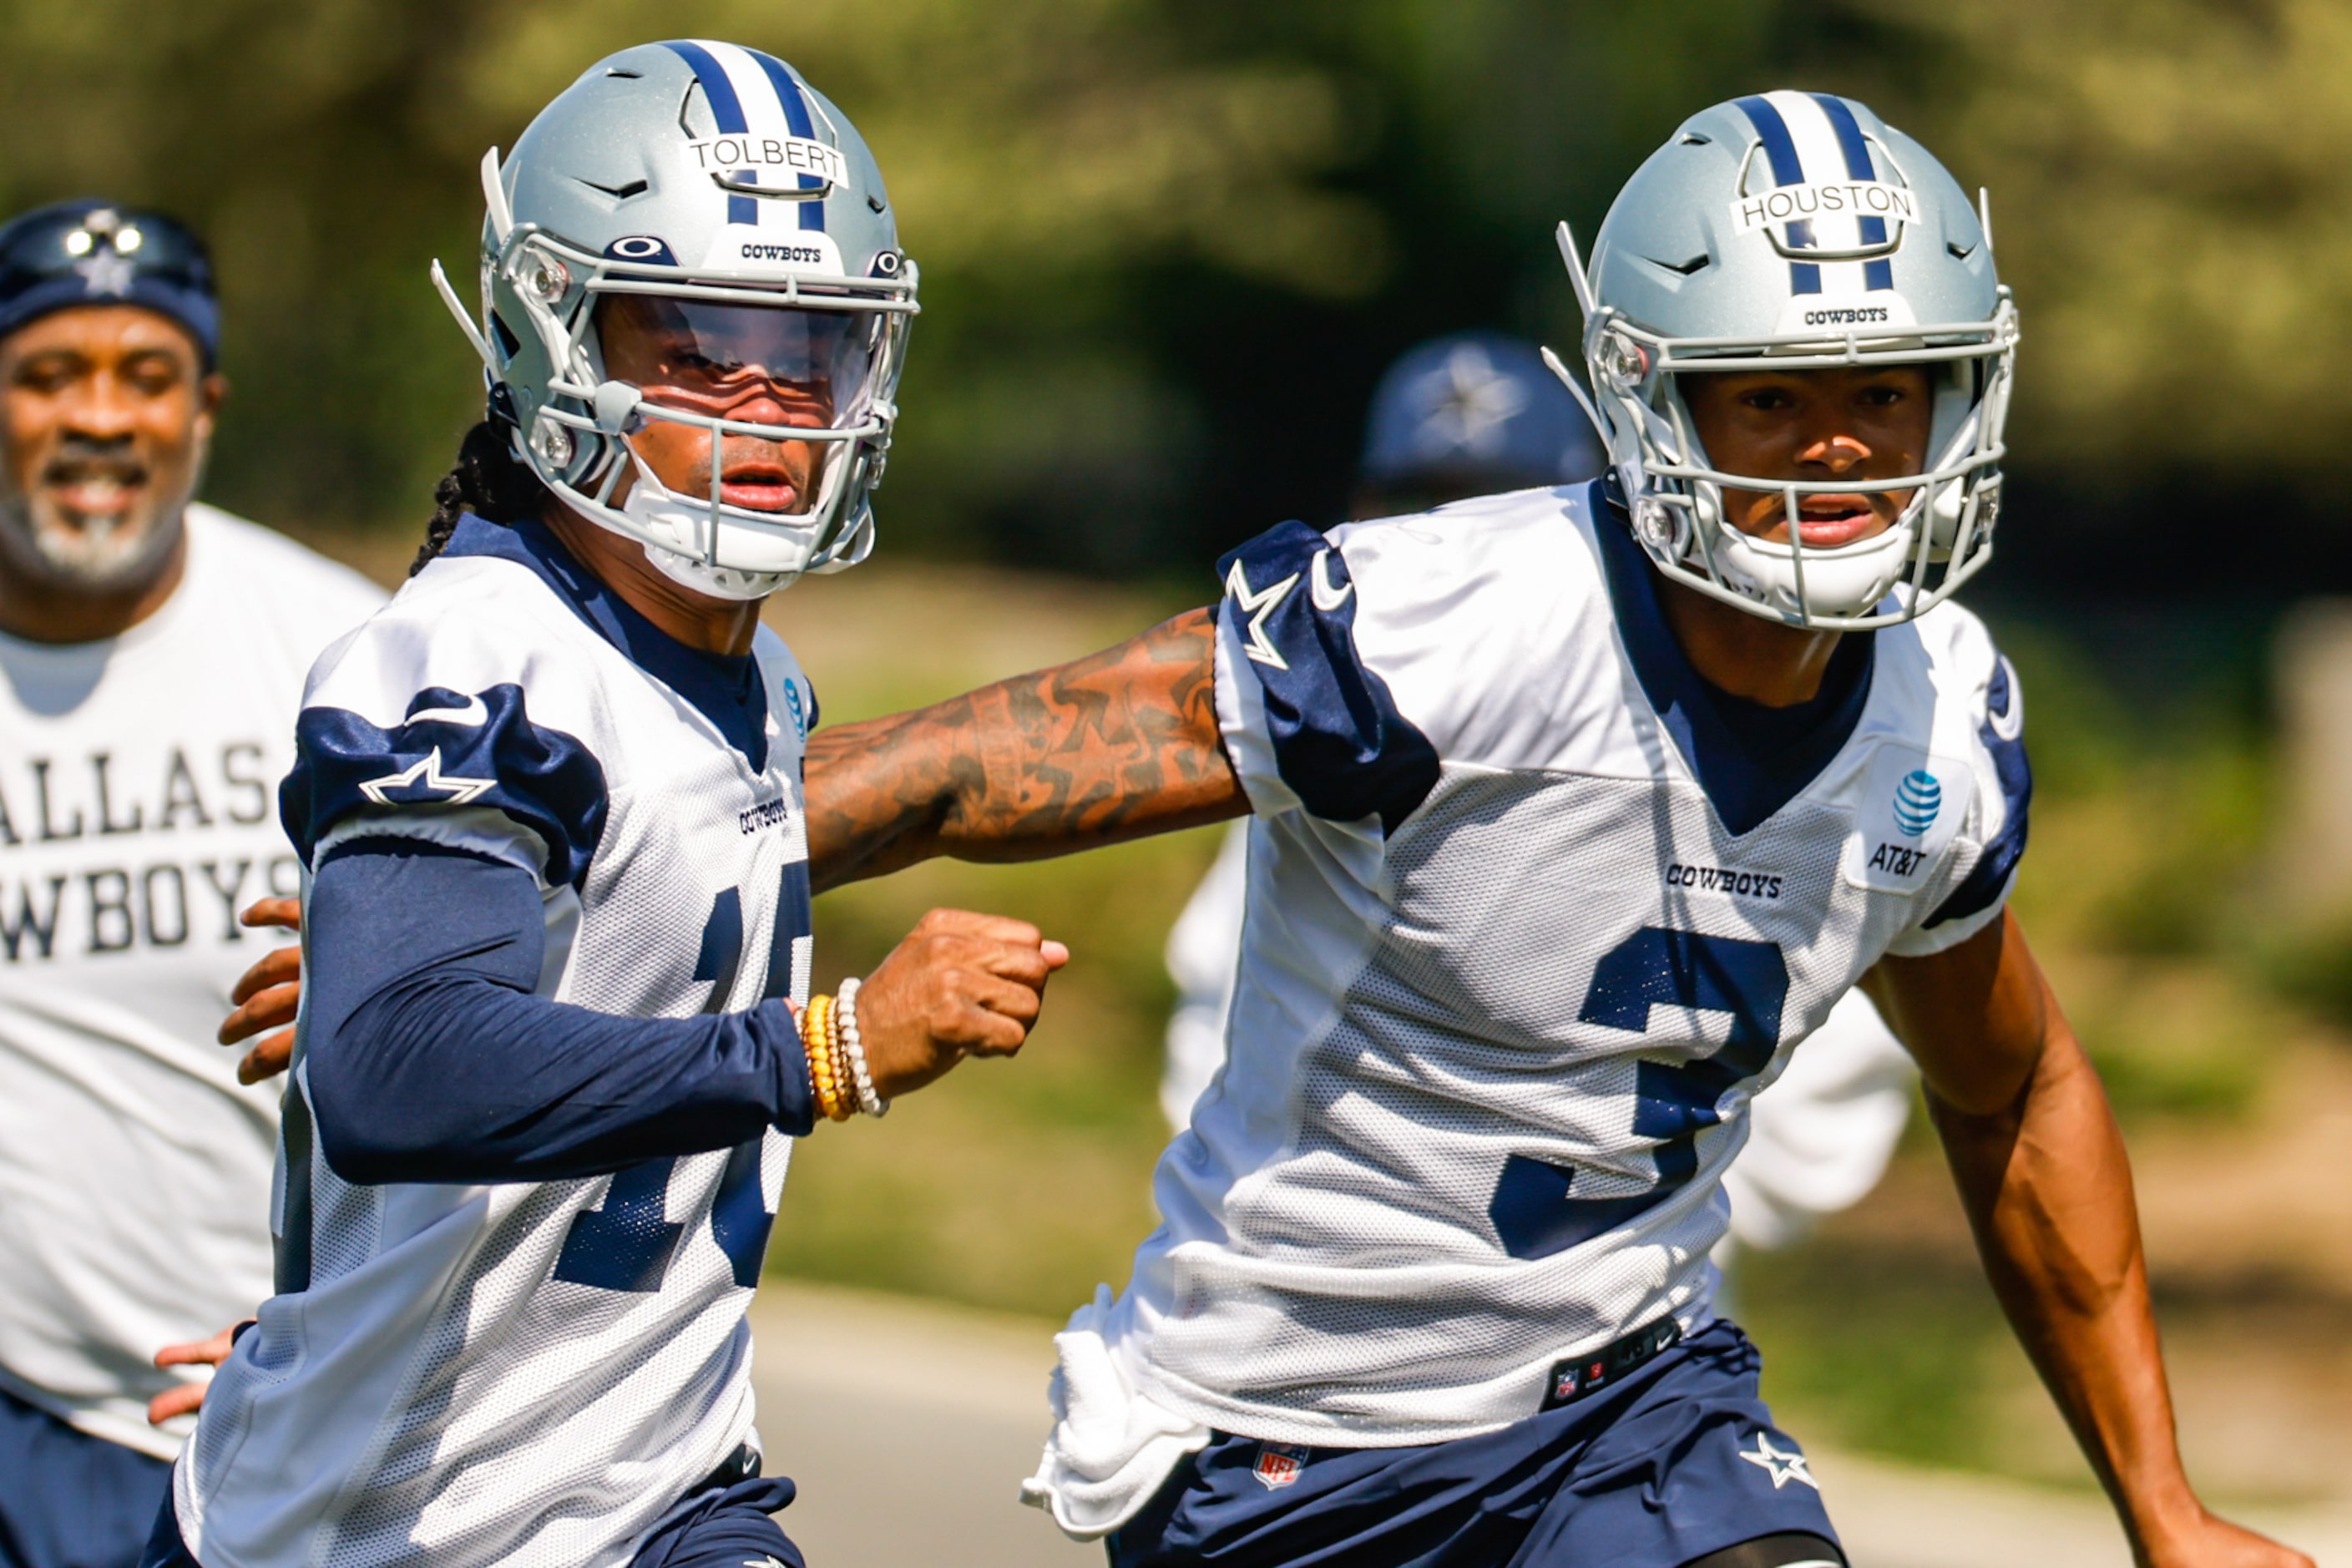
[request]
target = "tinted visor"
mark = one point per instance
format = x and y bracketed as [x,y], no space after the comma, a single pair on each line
[711,356]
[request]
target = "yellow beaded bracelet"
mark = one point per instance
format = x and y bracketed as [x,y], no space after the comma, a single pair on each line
[817,1040]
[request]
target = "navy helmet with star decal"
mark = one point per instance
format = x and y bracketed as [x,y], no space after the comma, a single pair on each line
[94,252]
[1469,413]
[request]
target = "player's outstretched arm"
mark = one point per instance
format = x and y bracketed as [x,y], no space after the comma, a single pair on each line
[1117,745]
[429,1054]
[2042,1171]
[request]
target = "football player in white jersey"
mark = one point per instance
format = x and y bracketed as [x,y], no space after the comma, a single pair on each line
[1473,414]
[153,649]
[554,878]
[1574,810]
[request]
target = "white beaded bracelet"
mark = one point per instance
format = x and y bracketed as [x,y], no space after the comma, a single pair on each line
[853,1046]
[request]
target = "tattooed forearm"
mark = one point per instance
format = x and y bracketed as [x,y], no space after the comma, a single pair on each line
[1115,746]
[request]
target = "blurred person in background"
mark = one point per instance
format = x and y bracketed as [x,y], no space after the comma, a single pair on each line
[154,649]
[1477,414]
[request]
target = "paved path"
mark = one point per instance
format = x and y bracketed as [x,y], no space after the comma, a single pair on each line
[909,1425]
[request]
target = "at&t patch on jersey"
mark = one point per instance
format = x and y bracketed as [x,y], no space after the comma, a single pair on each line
[1912,804]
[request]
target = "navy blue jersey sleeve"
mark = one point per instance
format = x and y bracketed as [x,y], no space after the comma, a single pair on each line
[1338,739]
[451,750]
[428,1057]
[2002,734]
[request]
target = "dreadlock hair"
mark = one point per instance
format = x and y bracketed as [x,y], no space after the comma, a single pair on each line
[489,481]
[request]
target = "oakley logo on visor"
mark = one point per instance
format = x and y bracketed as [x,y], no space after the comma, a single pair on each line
[641,248]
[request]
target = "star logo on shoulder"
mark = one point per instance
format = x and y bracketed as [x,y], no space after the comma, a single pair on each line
[439,788]
[1257,605]
[1783,1465]
[1474,403]
[105,273]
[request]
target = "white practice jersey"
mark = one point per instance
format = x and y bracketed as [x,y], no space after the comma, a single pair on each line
[528,1372]
[137,818]
[1528,923]
[1817,1140]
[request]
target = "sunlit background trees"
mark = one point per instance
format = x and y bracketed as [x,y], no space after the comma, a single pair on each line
[1166,247]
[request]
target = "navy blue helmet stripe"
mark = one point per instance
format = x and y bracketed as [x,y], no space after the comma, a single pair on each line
[1778,146]
[726,112]
[796,116]
[788,93]
[1849,135]
[1850,142]
[1780,151]
[725,108]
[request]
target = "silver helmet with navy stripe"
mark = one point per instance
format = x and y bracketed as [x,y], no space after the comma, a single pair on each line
[1792,231]
[702,194]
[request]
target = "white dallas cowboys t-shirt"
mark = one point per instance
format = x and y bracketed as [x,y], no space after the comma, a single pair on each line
[138,815]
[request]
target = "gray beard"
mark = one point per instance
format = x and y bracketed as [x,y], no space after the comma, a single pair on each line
[101,557]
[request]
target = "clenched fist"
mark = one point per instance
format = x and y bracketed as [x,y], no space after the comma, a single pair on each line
[960,985]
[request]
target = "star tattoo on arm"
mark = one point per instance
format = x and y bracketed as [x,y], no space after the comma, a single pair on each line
[1117,745]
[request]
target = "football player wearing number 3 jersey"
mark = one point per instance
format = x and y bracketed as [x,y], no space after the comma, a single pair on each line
[1574,809]
[555,878]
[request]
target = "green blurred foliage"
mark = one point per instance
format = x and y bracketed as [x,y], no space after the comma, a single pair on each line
[2142,891]
[1891,1348]
[2170,203]
[1167,247]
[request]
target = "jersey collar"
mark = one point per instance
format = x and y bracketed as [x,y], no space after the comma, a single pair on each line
[728,692]
[1750,759]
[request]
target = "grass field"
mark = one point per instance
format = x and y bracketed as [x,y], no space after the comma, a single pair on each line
[1018,1185]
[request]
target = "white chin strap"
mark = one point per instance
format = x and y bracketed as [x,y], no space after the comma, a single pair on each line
[682,533]
[1846,579]
[1850,580]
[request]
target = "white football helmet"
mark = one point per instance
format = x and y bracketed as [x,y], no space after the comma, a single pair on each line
[1796,231]
[710,194]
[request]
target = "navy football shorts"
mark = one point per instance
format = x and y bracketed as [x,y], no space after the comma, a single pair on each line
[69,1499]
[1679,1459]
[717,1527]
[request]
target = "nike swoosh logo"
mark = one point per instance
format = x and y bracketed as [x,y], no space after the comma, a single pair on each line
[473,714]
[1327,595]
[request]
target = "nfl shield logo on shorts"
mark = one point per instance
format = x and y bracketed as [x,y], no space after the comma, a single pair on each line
[1279,1464]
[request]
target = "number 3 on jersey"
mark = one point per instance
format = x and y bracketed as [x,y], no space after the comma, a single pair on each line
[1532,1210]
